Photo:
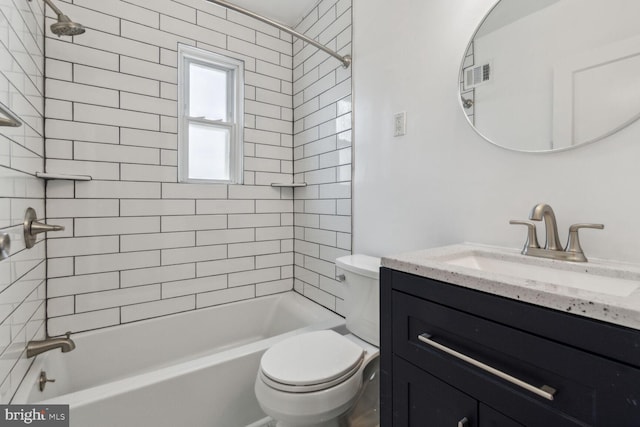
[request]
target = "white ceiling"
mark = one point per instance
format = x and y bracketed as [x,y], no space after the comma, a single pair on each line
[288,12]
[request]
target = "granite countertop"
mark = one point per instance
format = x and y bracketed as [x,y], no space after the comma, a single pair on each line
[619,303]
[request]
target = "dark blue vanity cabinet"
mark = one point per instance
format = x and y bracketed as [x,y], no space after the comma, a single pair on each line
[561,369]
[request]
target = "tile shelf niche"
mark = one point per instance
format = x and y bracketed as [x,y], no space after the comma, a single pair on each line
[45,175]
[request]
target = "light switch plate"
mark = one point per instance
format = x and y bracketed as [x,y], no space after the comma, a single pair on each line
[400,124]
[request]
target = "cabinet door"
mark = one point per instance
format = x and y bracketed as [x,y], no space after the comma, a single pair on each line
[489,417]
[420,400]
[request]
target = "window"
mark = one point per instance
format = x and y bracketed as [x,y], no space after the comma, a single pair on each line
[210,99]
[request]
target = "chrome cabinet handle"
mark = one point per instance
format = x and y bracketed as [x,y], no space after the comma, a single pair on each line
[463,422]
[544,391]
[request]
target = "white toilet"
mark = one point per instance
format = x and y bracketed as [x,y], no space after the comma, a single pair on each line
[312,378]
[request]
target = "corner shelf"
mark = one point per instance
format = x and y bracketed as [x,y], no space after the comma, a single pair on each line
[294,184]
[45,175]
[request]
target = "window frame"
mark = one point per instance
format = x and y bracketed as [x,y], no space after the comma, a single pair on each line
[234,68]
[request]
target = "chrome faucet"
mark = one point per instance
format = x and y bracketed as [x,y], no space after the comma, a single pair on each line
[544,211]
[552,249]
[36,347]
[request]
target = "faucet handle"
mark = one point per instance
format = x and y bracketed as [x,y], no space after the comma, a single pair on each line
[573,242]
[532,235]
[32,227]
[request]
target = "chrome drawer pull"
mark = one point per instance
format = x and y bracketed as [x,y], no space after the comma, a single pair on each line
[463,422]
[544,391]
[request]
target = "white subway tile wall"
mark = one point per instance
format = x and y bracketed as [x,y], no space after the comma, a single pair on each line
[322,153]
[139,244]
[22,275]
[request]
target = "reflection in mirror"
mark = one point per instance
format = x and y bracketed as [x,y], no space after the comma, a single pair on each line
[553,74]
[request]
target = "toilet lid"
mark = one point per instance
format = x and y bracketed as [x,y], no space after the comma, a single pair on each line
[311,358]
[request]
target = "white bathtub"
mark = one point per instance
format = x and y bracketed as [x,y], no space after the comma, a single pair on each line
[190,369]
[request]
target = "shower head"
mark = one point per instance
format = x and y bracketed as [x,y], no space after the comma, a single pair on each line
[64,26]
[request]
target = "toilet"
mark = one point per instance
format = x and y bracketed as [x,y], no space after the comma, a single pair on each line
[313,378]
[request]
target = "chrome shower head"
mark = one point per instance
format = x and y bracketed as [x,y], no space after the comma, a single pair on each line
[64,26]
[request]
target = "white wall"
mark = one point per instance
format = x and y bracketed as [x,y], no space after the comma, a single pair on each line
[22,275]
[443,184]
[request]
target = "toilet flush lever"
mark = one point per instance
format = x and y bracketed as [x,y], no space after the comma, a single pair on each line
[340,278]
[32,227]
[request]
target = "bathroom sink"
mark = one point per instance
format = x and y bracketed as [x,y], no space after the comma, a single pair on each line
[604,290]
[597,279]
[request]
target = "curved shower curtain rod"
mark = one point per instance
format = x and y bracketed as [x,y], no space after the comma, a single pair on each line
[346,60]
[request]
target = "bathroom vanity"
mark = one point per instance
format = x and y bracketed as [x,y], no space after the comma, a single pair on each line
[463,344]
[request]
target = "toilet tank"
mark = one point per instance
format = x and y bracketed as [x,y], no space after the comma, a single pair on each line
[362,295]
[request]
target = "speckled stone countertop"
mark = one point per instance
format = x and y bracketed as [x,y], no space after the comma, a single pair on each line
[527,278]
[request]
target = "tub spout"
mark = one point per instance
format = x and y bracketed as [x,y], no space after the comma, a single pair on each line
[64,344]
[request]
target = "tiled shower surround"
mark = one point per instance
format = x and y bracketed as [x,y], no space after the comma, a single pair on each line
[137,243]
[322,153]
[22,275]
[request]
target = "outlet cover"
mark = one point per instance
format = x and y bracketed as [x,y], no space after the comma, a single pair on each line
[400,124]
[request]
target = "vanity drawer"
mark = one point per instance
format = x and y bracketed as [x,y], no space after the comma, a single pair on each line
[611,341]
[589,389]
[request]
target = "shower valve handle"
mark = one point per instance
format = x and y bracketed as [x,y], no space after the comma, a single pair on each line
[32,227]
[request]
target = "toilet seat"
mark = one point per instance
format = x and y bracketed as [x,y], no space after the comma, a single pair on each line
[301,364]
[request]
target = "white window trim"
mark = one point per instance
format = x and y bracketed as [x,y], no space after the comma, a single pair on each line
[189,54]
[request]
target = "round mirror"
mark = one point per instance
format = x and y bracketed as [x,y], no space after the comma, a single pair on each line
[549,75]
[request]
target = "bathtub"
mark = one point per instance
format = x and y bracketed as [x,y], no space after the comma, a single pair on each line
[190,369]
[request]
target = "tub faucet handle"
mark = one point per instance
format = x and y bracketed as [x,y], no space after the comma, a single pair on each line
[39,227]
[43,380]
[32,227]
